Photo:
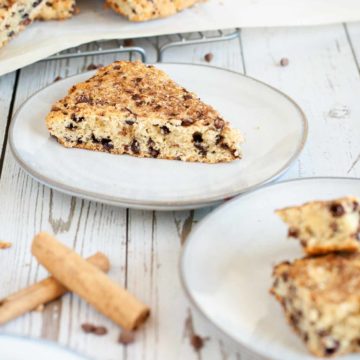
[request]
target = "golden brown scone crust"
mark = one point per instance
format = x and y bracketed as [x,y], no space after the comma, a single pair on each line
[321,300]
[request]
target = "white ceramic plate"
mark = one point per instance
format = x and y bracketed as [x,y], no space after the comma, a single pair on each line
[20,348]
[227,262]
[274,127]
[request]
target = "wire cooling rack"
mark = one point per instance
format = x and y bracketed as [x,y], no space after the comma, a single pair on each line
[126,46]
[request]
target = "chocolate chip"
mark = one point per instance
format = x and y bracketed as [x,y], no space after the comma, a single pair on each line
[285,276]
[130,122]
[165,130]
[201,149]
[25,22]
[219,123]
[94,67]
[337,210]
[126,337]
[153,152]
[135,147]
[94,139]
[197,342]
[292,232]
[117,67]
[187,97]
[187,122]
[77,119]
[57,78]
[88,328]
[128,42]
[355,205]
[136,97]
[208,57]
[100,330]
[331,350]
[284,61]
[218,139]
[83,99]
[71,126]
[107,144]
[197,137]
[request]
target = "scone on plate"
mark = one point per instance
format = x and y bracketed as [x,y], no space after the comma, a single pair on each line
[15,15]
[142,10]
[325,226]
[321,300]
[58,10]
[136,109]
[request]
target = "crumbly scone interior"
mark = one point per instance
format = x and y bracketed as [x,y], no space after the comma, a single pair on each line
[329,225]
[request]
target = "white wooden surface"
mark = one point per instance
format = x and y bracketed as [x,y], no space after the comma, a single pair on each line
[322,76]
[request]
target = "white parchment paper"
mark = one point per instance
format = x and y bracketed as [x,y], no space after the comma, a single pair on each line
[43,39]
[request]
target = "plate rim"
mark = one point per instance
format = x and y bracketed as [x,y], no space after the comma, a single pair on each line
[43,341]
[178,204]
[184,250]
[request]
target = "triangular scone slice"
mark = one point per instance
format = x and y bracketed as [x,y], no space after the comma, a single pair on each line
[142,10]
[15,15]
[136,109]
[325,226]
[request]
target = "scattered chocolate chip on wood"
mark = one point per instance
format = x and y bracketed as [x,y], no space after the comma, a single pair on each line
[197,342]
[94,67]
[100,330]
[126,337]
[88,328]
[284,62]
[5,245]
[128,42]
[93,329]
[209,57]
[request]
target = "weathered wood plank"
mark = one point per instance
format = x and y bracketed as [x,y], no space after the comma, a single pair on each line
[323,78]
[28,207]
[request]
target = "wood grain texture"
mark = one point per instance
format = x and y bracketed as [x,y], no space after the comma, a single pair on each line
[144,246]
[323,78]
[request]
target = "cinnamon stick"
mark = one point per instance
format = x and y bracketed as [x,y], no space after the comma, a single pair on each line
[40,293]
[89,282]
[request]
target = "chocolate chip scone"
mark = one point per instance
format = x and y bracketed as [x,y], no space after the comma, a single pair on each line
[131,108]
[58,10]
[321,300]
[142,10]
[15,15]
[325,226]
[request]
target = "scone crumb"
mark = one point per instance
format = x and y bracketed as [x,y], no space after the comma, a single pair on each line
[5,245]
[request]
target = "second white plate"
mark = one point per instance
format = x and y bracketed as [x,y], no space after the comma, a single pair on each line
[275,130]
[228,259]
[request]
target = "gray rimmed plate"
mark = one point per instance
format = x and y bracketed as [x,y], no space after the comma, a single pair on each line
[274,127]
[227,263]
